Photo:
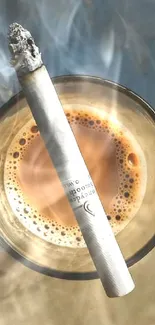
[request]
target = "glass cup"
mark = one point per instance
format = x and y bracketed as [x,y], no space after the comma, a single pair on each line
[137,238]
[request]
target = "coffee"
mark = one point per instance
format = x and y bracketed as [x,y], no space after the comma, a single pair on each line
[114,159]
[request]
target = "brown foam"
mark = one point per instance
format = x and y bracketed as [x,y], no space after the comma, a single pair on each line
[115,162]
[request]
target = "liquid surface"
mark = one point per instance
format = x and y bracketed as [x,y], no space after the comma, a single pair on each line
[114,159]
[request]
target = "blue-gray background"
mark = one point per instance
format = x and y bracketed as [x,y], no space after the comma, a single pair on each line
[113,39]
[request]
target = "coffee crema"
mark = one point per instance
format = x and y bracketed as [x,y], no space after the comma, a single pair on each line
[115,162]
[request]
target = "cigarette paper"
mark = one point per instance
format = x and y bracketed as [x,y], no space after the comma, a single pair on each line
[68,161]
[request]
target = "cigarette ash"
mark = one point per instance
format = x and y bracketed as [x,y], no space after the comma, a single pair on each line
[25,54]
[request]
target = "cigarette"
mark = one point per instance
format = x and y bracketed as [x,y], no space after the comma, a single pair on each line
[68,161]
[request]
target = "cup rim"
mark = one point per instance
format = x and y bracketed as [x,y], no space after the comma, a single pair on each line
[91,275]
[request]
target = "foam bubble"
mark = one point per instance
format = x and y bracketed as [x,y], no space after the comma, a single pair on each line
[131,169]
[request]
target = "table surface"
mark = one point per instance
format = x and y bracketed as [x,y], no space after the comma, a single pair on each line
[30,298]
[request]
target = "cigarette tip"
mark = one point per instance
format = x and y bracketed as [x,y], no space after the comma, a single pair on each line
[25,54]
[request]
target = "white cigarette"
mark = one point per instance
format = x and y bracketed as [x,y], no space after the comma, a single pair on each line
[68,161]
